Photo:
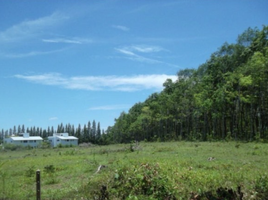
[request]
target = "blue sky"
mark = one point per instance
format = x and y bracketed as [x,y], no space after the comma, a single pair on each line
[78,61]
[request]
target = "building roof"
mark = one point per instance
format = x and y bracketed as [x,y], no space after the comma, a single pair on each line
[67,138]
[26,138]
[63,136]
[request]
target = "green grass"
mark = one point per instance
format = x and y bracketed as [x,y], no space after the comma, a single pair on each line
[171,170]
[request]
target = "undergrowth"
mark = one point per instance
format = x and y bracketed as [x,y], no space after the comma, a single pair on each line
[169,171]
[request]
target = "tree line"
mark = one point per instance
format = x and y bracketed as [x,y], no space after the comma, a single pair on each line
[89,133]
[224,98]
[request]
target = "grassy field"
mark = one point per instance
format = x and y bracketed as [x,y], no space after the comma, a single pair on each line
[171,170]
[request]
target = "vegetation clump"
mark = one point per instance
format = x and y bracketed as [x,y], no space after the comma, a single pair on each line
[142,181]
[261,186]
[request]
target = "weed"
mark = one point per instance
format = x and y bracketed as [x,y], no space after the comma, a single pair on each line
[104,151]
[49,169]
[164,149]
[171,170]
[30,172]
[144,180]
[50,174]
[220,193]
[131,148]
[256,147]
[3,176]
[261,186]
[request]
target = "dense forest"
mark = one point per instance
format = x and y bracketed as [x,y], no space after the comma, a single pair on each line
[224,98]
[89,133]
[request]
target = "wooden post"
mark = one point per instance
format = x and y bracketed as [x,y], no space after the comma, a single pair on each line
[38,185]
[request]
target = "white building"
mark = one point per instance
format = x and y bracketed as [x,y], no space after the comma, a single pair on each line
[24,140]
[62,139]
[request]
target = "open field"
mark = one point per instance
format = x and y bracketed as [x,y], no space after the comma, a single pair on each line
[171,170]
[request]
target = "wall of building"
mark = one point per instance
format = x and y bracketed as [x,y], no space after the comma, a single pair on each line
[25,143]
[69,142]
[55,141]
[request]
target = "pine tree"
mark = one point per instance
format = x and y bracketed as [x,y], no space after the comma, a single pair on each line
[49,131]
[98,133]
[89,129]
[19,129]
[94,130]
[23,129]
[14,130]
[78,133]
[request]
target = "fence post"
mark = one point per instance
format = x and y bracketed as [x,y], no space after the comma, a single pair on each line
[38,185]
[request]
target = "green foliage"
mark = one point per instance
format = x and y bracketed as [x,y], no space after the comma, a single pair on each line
[142,181]
[261,186]
[50,175]
[225,98]
[13,147]
[49,169]
[45,145]
[164,170]
[60,146]
[30,172]
[3,177]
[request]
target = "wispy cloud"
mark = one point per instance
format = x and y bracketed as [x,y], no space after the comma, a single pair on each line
[53,118]
[32,53]
[23,39]
[109,107]
[31,28]
[142,49]
[94,83]
[139,53]
[122,28]
[68,41]
[145,48]
[133,56]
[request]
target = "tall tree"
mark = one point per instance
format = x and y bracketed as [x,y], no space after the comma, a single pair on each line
[98,133]
[94,130]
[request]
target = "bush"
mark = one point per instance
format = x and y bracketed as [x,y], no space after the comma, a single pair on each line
[144,181]
[50,174]
[13,147]
[30,172]
[45,145]
[49,169]
[261,186]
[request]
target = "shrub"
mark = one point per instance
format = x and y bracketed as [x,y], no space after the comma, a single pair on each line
[50,174]
[49,169]
[261,186]
[141,181]
[30,172]
[13,147]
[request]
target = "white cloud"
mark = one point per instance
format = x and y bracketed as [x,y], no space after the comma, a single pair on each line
[133,56]
[126,52]
[69,41]
[141,49]
[94,83]
[133,53]
[145,48]
[122,28]
[31,28]
[53,118]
